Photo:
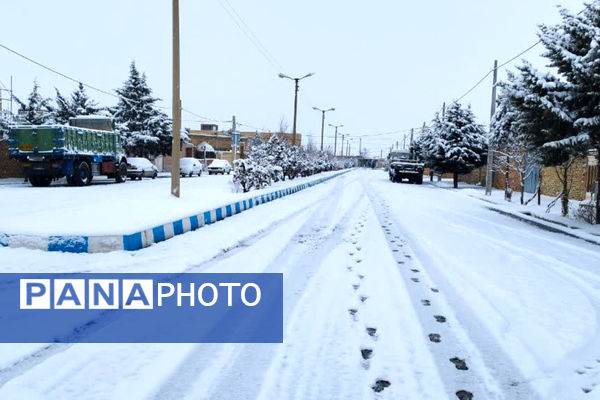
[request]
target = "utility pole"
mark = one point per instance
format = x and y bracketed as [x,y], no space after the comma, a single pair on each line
[342,147]
[412,131]
[336,133]
[234,139]
[296,86]
[359,146]
[490,158]
[444,109]
[323,122]
[176,146]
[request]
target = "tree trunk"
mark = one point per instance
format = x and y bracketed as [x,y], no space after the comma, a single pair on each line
[598,188]
[507,189]
[455,178]
[430,175]
[539,192]
[565,194]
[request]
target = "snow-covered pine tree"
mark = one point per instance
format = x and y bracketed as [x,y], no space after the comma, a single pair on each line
[81,104]
[572,48]
[63,109]
[538,102]
[38,110]
[145,130]
[462,143]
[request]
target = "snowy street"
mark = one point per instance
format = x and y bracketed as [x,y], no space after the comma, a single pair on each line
[391,291]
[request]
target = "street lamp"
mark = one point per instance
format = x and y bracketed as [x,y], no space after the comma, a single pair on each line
[323,122]
[335,142]
[342,148]
[296,80]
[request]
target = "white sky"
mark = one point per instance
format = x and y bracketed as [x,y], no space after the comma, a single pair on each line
[384,65]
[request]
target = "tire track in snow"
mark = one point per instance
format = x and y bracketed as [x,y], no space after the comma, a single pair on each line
[311,242]
[33,359]
[493,375]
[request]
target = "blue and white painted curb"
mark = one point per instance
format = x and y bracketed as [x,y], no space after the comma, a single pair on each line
[146,237]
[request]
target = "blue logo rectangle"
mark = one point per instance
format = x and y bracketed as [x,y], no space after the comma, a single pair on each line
[141,308]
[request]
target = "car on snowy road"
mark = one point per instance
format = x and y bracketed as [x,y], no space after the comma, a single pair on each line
[189,166]
[219,167]
[404,165]
[139,167]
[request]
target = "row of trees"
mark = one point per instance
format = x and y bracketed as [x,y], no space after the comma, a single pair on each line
[453,142]
[276,160]
[145,130]
[552,118]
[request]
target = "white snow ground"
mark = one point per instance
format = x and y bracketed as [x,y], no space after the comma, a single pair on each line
[520,305]
[105,208]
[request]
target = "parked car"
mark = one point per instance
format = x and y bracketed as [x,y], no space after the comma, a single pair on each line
[139,167]
[219,167]
[189,166]
[404,164]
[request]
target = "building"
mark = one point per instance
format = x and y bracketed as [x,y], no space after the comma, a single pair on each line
[220,141]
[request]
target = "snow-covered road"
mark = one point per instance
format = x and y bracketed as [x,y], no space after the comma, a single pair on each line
[391,291]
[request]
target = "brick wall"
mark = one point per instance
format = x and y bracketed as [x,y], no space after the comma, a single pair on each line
[551,185]
[8,168]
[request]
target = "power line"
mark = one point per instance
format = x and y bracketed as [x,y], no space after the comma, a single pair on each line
[250,35]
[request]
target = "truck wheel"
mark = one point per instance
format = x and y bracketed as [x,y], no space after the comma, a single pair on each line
[82,175]
[70,181]
[121,173]
[40,180]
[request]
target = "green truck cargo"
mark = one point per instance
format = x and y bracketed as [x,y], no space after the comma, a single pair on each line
[85,148]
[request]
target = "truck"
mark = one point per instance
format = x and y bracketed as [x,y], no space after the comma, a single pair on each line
[404,164]
[86,147]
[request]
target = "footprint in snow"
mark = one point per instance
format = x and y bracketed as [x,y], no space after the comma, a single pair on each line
[356,286]
[372,331]
[349,268]
[400,262]
[359,248]
[426,303]
[434,290]
[415,270]
[586,390]
[363,298]
[381,384]
[440,318]
[366,353]
[464,395]
[435,338]
[459,363]
[360,276]
[414,279]
[358,260]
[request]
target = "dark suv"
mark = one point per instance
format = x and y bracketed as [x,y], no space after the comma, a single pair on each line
[402,164]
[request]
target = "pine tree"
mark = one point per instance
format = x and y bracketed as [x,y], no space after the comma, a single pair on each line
[38,109]
[63,109]
[461,143]
[145,130]
[538,103]
[81,104]
[572,48]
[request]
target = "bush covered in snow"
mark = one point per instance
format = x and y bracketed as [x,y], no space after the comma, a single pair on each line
[276,160]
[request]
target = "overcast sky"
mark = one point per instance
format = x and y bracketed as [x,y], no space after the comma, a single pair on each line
[385,65]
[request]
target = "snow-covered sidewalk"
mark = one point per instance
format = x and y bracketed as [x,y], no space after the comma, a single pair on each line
[533,213]
[111,209]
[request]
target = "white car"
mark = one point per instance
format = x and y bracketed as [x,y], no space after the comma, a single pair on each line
[189,166]
[219,167]
[139,167]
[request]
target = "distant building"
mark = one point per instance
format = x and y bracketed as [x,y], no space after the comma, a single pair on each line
[220,141]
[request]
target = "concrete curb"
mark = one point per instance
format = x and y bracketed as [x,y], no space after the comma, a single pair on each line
[147,237]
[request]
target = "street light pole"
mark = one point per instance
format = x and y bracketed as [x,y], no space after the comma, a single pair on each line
[323,122]
[296,87]
[175,148]
[489,176]
[342,147]
[335,140]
